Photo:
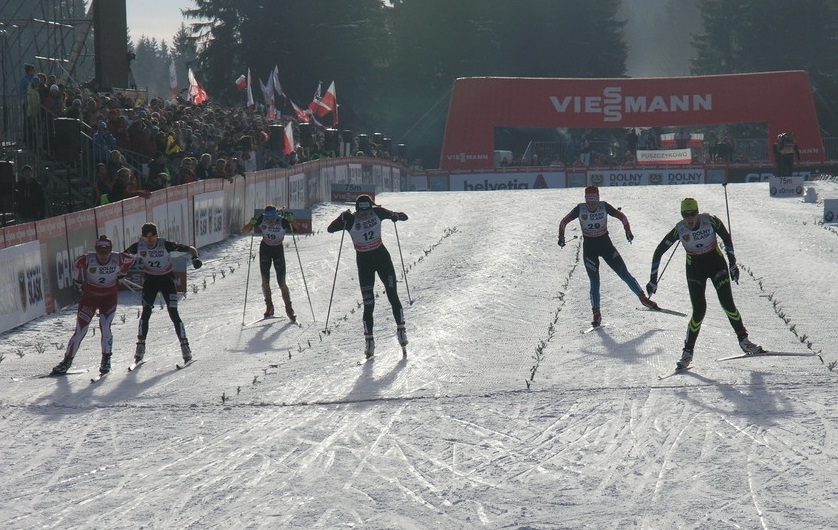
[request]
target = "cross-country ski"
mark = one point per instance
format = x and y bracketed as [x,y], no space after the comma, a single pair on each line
[767,353]
[677,371]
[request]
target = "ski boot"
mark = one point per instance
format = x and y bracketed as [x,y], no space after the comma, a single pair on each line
[369,346]
[597,320]
[105,365]
[139,353]
[269,309]
[62,367]
[286,299]
[185,350]
[401,333]
[748,347]
[686,359]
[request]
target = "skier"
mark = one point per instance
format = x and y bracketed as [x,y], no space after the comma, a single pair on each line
[593,218]
[96,275]
[273,224]
[155,261]
[372,257]
[698,234]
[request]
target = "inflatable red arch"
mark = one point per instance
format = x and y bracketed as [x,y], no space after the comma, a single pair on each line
[478,105]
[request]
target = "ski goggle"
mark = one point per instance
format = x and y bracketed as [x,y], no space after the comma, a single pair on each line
[150,238]
[364,205]
[270,214]
[692,213]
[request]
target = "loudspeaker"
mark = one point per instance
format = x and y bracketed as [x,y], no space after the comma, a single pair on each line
[110,44]
[67,139]
[377,138]
[363,142]
[387,145]
[306,138]
[7,177]
[401,151]
[346,136]
[277,138]
[331,142]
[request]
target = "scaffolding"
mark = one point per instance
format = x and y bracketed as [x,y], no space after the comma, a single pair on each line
[53,35]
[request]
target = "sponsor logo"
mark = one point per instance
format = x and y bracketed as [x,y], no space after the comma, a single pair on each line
[467,157]
[613,105]
[685,177]
[486,185]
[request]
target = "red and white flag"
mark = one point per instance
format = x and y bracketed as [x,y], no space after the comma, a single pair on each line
[290,145]
[302,115]
[325,105]
[197,94]
[241,82]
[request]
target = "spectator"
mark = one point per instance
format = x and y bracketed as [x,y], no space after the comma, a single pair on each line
[102,184]
[204,169]
[585,150]
[33,127]
[103,143]
[30,200]
[785,151]
[631,141]
[25,81]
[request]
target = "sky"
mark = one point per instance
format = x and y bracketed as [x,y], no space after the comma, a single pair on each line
[503,415]
[155,18]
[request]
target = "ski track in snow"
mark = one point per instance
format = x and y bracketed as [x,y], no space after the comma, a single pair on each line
[278,426]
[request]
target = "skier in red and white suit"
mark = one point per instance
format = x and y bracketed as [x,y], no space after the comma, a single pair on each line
[96,274]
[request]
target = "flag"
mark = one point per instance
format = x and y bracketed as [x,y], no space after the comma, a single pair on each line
[328,104]
[302,115]
[173,79]
[197,94]
[250,102]
[290,146]
[275,79]
[316,100]
[268,96]
[241,82]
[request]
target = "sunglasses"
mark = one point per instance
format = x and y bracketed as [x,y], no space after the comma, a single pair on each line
[688,214]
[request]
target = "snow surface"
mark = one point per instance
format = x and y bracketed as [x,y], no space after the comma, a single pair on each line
[504,415]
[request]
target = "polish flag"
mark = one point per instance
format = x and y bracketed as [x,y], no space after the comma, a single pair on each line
[196,93]
[241,82]
[290,146]
[328,104]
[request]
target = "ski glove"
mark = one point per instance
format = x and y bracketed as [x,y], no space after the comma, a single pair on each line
[254,221]
[561,241]
[346,216]
[78,287]
[629,237]
[399,216]
[734,272]
[197,263]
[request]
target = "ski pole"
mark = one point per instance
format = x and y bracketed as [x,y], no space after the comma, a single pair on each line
[404,272]
[247,282]
[294,238]
[727,208]
[667,261]
[334,281]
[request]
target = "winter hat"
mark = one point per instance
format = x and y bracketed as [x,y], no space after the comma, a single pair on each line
[149,229]
[689,205]
[591,194]
[103,244]
[363,202]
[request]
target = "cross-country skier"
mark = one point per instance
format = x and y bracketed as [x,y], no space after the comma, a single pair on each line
[698,234]
[155,260]
[372,257]
[273,224]
[593,218]
[96,275]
